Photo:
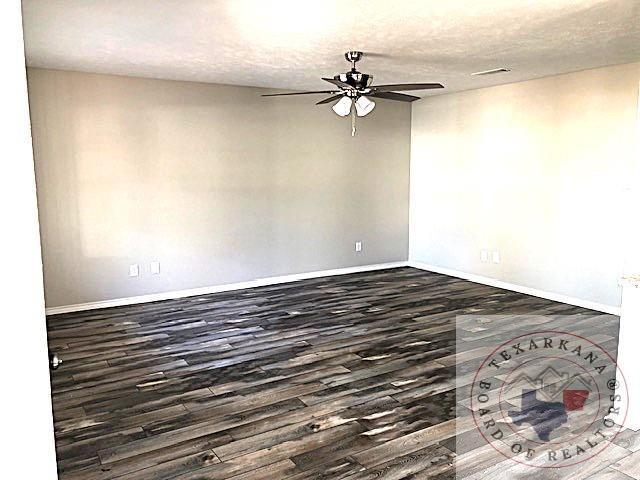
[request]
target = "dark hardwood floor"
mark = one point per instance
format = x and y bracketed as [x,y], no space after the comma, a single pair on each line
[341,377]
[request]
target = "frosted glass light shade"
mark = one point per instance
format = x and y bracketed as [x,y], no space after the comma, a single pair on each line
[364,106]
[343,107]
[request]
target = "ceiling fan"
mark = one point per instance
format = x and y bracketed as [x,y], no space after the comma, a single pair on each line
[355,89]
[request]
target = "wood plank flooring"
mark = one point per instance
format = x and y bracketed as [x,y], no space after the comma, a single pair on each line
[341,377]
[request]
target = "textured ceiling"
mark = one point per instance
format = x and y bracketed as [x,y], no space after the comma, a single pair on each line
[292,43]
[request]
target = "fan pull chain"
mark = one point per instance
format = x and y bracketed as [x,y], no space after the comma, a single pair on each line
[353,122]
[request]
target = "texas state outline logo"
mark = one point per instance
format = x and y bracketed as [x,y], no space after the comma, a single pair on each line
[549,399]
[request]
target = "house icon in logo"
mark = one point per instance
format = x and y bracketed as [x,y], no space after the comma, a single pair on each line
[554,383]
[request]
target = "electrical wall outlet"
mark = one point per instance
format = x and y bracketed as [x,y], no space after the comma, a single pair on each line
[358,246]
[484,255]
[134,270]
[155,268]
[495,256]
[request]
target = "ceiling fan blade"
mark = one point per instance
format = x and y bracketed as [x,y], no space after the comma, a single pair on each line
[401,97]
[330,99]
[297,93]
[406,86]
[339,83]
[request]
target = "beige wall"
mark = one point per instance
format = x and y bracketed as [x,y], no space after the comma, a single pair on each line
[221,185]
[538,170]
[215,182]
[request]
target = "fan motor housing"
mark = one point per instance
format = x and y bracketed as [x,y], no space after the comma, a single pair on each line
[356,79]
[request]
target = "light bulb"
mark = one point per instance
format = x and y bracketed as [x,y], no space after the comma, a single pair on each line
[364,106]
[343,107]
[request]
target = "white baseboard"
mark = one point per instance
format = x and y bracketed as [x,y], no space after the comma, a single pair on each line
[556,297]
[154,297]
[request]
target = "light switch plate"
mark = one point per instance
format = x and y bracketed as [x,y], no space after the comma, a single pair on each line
[495,256]
[358,246]
[134,270]
[484,255]
[155,268]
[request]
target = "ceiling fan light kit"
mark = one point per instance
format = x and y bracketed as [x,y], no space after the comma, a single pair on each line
[354,88]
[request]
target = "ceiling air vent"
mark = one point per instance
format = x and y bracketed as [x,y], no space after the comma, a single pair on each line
[492,71]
